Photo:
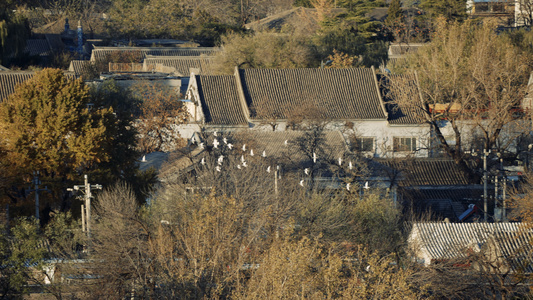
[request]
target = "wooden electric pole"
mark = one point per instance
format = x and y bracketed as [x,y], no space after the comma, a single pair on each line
[86,209]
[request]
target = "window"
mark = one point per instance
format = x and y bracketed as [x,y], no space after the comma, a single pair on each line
[364,144]
[404,144]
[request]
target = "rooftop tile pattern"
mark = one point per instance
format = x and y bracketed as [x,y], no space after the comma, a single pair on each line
[452,240]
[220,101]
[183,64]
[337,93]
[424,172]
[101,53]
[9,80]
[38,47]
[79,67]
[273,142]
[399,112]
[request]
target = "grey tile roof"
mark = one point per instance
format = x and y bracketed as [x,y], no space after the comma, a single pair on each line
[427,172]
[183,64]
[453,240]
[273,143]
[220,100]
[398,50]
[400,112]
[55,42]
[337,93]
[38,47]
[79,67]
[9,80]
[101,53]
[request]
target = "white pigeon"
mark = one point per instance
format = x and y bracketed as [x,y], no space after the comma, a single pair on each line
[251,152]
[350,165]
[264,154]
[340,161]
[286,142]
[302,182]
[348,186]
[203,161]
[239,167]
[220,159]
[225,140]
[306,171]
[230,146]
[242,158]
[314,157]
[202,146]
[215,133]
[366,186]
[217,168]
[244,164]
[144,158]
[244,147]
[268,169]
[215,143]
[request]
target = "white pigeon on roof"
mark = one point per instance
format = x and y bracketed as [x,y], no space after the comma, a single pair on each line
[302,182]
[215,143]
[306,171]
[348,186]
[225,140]
[239,167]
[215,133]
[243,147]
[340,161]
[203,161]
[314,157]
[220,159]
[251,152]
[264,154]
[350,165]
[217,168]
[230,146]
[242,158]
[268,169]
[202,146]
[244,164]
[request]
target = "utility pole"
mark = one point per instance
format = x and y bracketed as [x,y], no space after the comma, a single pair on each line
[86,213]
[485,179]
[36,182]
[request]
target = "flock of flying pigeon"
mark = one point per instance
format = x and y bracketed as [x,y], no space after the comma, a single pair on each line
[243,163]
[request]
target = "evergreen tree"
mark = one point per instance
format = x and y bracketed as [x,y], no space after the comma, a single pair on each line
[451,10]
[394,13]
[49,125]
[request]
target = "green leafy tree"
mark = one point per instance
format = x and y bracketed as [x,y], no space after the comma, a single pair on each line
[262,50]
[14,31]
[48,124]
[56,126]
[21,252]
[394,13]
[450,10]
